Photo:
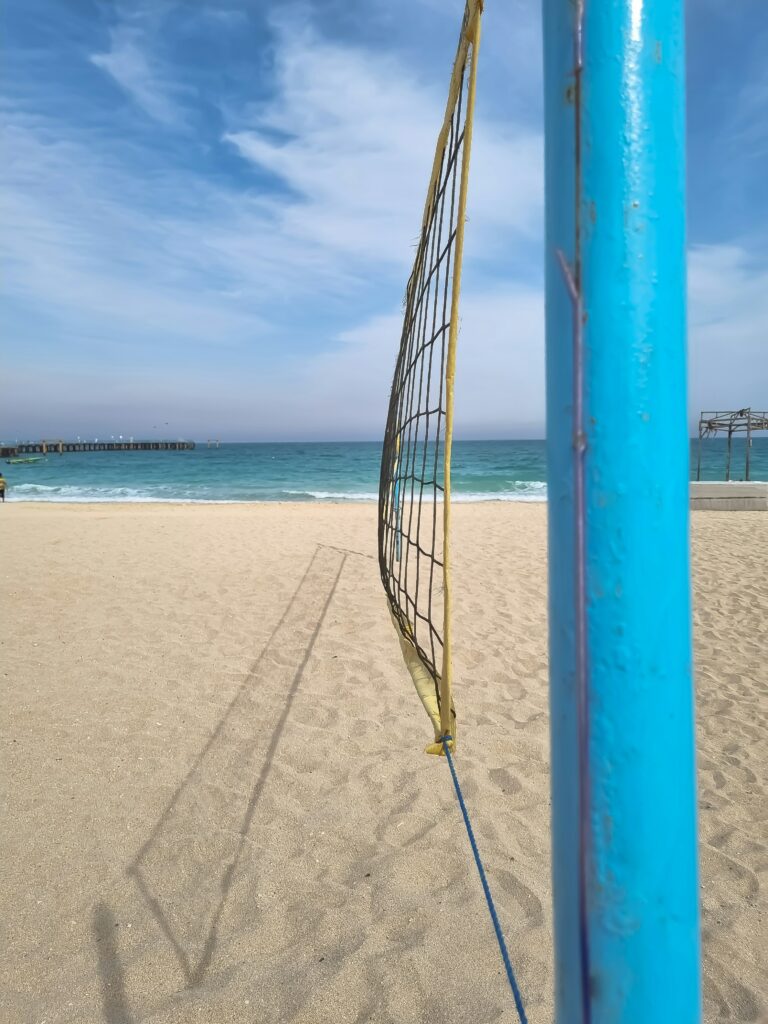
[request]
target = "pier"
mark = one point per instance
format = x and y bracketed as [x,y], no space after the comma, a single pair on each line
[60,447]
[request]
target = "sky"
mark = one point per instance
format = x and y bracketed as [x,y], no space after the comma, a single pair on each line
[210,209]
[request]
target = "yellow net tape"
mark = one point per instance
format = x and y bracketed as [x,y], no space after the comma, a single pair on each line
[414,540]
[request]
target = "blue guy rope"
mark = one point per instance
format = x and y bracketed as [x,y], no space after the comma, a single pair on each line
[486,888]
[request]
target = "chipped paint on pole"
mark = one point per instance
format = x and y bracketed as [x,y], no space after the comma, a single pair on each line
[623,772]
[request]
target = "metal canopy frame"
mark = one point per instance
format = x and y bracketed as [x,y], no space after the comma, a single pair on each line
[730,421]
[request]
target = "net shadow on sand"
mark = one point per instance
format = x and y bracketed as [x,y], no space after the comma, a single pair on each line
[185,869]
[111,975]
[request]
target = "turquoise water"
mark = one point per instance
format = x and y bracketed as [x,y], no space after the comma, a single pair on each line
[482,470]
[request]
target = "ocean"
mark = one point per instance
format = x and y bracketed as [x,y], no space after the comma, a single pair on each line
[341,471]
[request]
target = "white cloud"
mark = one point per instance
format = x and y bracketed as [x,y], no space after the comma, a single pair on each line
[728,332]
[99,264]
[351,133]
[499,377]
[112,253]
[129,64]
[500,369]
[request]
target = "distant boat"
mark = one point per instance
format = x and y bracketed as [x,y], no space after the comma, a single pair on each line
[32,458]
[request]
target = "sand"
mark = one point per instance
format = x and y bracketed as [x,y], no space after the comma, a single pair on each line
[216,805]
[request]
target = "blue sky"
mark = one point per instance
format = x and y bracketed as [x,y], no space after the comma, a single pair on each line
[210,210]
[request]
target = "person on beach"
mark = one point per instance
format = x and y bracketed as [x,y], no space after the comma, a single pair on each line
[2,487]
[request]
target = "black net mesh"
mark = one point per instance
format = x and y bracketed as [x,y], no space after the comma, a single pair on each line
[413,461]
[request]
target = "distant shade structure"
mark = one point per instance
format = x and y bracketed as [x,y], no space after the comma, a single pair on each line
[415,484]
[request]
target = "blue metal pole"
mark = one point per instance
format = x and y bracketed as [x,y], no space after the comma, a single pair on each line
[623,771]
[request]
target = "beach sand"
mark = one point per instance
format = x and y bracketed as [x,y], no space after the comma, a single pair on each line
[216,805]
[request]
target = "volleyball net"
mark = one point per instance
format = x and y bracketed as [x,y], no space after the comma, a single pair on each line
[415,484]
